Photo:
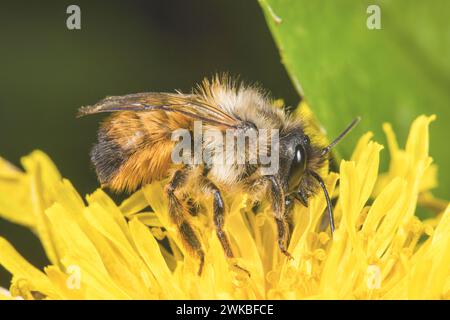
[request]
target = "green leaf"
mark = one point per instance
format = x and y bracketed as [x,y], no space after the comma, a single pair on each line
[393,74]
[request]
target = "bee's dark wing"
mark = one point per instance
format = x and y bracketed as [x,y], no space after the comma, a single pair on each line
[190,105]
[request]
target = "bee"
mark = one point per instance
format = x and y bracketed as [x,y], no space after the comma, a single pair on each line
[135,147]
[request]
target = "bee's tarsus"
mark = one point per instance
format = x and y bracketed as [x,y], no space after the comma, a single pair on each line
[287,254]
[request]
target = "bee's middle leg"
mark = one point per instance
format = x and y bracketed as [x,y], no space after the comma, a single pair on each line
[219,220]
[177,216]
[219,216]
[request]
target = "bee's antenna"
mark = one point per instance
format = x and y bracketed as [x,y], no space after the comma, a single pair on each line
[327,198]
[339,138]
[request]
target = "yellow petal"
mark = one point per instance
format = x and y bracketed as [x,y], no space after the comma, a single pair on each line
[134,204]
[15,205]
[12,261]
[150,252]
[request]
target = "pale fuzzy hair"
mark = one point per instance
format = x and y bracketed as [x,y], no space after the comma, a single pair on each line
[249,104]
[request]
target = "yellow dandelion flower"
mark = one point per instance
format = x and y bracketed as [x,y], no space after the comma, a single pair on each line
[101,250]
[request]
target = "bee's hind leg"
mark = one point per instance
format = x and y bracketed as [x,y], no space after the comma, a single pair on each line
[177,216]
[219,219]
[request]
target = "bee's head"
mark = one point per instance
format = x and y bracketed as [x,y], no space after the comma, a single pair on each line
[303,160]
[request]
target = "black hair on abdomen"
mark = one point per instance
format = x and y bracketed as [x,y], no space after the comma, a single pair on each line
[107,157]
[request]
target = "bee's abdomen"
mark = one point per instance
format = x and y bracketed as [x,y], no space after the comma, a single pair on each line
[107,156]
[134,149]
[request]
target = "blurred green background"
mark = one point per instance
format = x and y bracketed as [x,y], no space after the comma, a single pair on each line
[391,73]
[48,71]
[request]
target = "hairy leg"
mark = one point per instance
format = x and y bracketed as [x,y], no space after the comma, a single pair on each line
[219,219]
[177,216]
[219,215]
[279,210]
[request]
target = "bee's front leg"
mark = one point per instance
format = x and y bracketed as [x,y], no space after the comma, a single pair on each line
[177,216]
[279,210]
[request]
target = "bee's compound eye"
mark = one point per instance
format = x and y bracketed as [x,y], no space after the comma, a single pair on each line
[299,156]
[297,169]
